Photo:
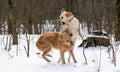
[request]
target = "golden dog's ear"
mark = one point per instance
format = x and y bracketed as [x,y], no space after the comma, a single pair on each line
[62,10]
[68,14]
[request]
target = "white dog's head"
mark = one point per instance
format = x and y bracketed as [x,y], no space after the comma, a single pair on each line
[65,16]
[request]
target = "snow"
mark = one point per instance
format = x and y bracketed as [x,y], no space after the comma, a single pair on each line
[9,62]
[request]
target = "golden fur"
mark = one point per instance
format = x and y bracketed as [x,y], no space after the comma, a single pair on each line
[54,40]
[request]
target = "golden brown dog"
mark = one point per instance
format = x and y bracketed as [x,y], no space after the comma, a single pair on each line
[54,40]
[72,25]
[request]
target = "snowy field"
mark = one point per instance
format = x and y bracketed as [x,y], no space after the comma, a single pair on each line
[9,62]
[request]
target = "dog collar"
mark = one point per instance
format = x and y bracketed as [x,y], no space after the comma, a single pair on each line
[71,19]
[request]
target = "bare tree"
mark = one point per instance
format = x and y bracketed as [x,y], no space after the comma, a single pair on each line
[117,25]
[12,22]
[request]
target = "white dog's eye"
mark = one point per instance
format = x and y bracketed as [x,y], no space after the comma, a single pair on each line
[61,17]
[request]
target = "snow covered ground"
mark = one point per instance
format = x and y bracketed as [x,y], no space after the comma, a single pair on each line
[9,62]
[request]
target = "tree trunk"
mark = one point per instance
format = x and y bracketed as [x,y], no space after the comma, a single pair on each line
[88,26]
[12,22]
[40,26]
[117,25]
[69,5]
[96,21]
[29,26]
[0,28]
[35,26]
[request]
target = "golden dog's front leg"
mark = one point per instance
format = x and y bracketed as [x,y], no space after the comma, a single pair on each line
[62,56]
[72,54]
[69,56]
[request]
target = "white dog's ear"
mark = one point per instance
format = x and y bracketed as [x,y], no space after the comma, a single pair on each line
[62,10]
[68,14]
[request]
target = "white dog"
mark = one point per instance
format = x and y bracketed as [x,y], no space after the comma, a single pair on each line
[72,25]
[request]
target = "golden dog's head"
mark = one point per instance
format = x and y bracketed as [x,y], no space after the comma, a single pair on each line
[65,16]
[65,39]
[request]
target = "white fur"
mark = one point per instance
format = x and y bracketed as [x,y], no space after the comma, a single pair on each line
[72,26]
